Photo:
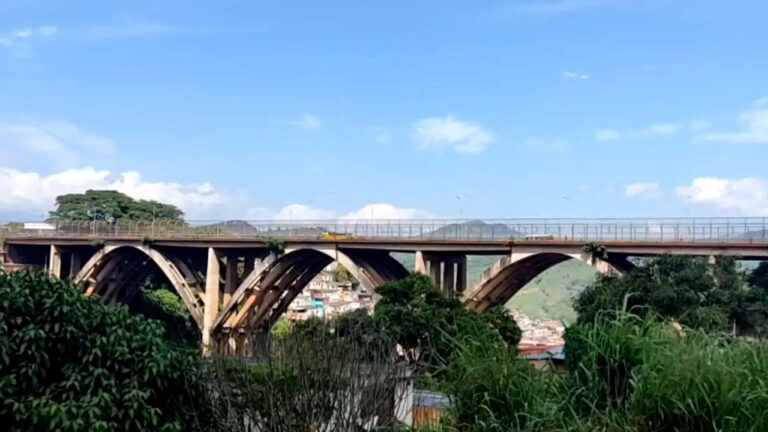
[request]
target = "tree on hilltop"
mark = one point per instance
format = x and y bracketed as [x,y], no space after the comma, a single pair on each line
[111,206]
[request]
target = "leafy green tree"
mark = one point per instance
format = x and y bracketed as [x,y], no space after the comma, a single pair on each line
[111,206]
[428,324]
[759,276]
[67,363]
[157,301]
[692,291]
[342,275]
[276,246]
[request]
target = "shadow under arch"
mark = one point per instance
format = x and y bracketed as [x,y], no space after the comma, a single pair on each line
[265,294]
[115,273]
[511,273]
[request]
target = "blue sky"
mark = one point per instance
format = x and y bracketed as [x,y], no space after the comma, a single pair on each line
[551,108]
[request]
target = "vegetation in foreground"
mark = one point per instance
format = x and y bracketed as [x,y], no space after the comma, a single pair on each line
[68,363]
[718,297]
[625,373]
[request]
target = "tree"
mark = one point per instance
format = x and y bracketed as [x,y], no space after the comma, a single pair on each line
[759,276]
[692,291]
[428,324]
[111,206]
[342,275]
[69,363]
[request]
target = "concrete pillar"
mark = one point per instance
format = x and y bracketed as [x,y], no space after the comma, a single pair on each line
[434,272]
[75,263]
[248,265]
[230,278]
[448,276]
[420,264]
[461,274]
[54,262]
[211,312]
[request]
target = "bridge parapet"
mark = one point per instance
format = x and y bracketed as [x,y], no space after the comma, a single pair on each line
[582,230]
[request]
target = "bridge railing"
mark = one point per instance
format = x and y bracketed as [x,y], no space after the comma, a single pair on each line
[597,230]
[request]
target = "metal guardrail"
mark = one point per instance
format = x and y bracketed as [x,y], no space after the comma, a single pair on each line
[587,230]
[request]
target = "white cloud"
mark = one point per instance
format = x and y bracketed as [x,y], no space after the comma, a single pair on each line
[647,190]
[435,132]
[575,75]
[58,141]
[663,129]
[307,121]
[32,192]
[377,211]
[698,125]
[606,135]
[761,102]
[303,212]
[16,36]
[755,129]
[381,211]
[557,146]
[748,196]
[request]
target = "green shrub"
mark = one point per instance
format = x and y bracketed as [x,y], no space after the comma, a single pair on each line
[698,294]
[166,307]
[494,389]
[427,323]
[67,363]
[702,382]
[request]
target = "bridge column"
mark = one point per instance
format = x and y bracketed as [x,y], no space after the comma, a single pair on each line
[420,264]
[212,275]
[461,274]
[230,277]
[435,271]
[449,276]
[75,263]
[249,262]
[447,271]
[54,262]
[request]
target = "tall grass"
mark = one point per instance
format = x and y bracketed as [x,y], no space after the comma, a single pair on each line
[625,373]
[702,382]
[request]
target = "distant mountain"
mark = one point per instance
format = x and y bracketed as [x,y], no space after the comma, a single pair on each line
[241,228]
[233,228]
[475,229]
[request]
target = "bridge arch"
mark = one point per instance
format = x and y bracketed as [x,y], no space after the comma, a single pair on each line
[511,273]
[116,272]
[265,294]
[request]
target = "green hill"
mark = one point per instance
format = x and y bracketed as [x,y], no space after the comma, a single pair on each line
[549,296]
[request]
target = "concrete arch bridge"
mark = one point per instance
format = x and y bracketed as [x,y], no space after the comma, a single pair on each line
[235,288]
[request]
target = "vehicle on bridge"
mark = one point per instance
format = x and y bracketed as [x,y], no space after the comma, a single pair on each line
[328,235]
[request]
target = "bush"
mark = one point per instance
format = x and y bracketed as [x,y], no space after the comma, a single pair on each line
[157,302]
[624,373]
[702,382]
[68,363]
[493,388]
[712,297]
[428,323]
